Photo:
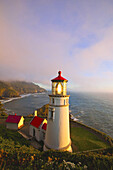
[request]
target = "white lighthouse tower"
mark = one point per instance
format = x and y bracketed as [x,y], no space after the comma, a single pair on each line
[58,130]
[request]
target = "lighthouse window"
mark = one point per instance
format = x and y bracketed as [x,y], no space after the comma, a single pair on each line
[51,113]
[64,102]
[59,88]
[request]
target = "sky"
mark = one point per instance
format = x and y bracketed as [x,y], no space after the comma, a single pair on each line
[40,37]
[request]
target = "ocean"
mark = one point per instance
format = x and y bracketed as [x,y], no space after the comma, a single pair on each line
[92,109]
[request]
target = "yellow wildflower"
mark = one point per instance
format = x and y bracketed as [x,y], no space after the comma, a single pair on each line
[49,159]
[2,150]
[32,158]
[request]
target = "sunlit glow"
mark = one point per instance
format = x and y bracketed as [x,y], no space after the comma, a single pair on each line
[59,89]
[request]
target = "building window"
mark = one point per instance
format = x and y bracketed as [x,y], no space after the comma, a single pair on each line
[53,101]
[33,132]
[52,113]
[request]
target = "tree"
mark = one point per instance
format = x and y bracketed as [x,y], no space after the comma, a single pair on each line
[2,110]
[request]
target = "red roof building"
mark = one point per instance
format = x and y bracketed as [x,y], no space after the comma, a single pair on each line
[14,122]
[38,128]
[36,122]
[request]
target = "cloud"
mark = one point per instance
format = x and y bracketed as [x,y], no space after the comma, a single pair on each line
[91,58]
[38,38]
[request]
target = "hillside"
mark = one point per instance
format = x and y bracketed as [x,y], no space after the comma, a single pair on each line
[16,88]
[17,153]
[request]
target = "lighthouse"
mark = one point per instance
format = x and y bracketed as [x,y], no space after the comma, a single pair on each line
[58,130]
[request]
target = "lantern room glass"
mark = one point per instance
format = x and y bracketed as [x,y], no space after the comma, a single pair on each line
[59,88]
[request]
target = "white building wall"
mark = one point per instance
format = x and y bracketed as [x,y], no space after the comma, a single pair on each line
[31,130]
[37,134]
[13,126]
[38,131]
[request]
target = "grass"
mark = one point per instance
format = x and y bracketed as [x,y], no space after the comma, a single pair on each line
[84,140]
[13,135]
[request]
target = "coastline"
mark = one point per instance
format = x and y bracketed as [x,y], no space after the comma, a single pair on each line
[16,98]
[13,98]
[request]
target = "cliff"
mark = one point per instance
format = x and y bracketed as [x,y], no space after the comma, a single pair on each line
[16,88]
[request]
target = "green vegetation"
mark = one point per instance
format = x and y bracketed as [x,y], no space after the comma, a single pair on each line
[41,112]
[55,160]
[11,141]
[2,110]
[10,93]
[17,153]
[15,88]
[84,140]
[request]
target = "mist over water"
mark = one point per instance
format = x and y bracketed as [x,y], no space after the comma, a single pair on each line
[93,109]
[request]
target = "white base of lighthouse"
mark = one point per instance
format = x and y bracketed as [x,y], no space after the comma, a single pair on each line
[69,149]
[58,129]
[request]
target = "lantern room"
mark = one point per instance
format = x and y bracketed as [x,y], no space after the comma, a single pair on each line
[59,85]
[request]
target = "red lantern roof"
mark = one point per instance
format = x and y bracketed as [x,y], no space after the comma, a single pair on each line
[13,119]
[44,126]
[59,78]
[36,122]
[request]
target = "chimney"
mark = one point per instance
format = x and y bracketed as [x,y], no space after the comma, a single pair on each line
[35,113]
